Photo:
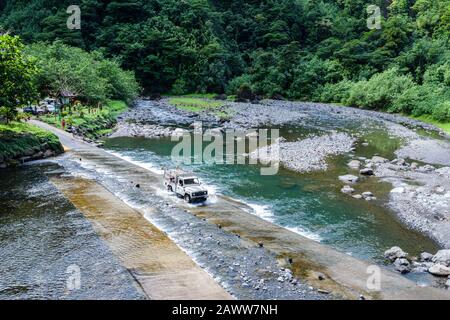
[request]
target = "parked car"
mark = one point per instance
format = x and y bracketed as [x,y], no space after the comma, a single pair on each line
[29,109]
[40,110]
[34,110]
[50,108]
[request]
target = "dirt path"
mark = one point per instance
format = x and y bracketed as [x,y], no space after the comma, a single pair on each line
[67,140]
[345,276]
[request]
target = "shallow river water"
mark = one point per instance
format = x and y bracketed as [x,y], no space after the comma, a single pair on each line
[48,250]
[310,204]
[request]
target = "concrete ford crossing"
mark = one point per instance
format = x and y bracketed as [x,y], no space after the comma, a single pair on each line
[185,185]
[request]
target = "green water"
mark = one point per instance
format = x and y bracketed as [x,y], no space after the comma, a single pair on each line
[310,204]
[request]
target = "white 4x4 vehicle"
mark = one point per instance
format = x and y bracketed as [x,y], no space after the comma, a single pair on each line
[185,185]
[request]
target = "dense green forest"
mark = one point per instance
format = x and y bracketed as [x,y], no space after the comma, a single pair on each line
[318,50]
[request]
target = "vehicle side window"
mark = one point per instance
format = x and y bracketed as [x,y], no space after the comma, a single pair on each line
[181,182]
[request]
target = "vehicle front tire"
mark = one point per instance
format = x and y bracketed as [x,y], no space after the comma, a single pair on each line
[187,198]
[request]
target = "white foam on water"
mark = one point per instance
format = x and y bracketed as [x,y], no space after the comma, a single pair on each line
[142,164]
[264,212]
[305,233]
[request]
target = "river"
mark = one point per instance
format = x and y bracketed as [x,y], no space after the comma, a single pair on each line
[310,204]
[44,238]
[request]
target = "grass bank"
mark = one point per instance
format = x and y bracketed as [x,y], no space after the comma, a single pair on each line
[195,104]
[92,123]
[19,140]
[445,126]
[201,103]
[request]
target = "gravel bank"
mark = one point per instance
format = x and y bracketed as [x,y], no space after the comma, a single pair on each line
[124,129]
[306,155]
[420,197]
[426,150]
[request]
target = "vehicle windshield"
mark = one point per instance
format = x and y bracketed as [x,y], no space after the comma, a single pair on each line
[191,181]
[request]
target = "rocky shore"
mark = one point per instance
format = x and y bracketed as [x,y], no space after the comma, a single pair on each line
[306,155]
[148,114]
[37,153]
[124,129]
[438,264]
[420,194]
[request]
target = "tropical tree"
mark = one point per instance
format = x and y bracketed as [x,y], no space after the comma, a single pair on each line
[16,76]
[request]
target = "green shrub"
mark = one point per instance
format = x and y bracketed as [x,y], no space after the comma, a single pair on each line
[338,92]
[234,85]
[442,112]
[409,100]
[93,77]
[438,74]
[17,137]
[309,76]
[380,91]
[179,88]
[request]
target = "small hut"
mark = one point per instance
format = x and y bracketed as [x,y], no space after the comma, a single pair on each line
[66,97]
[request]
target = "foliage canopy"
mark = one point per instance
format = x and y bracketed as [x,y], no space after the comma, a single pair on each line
[302,49]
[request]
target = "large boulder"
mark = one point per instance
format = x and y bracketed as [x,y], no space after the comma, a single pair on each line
[420,267]
[366,172]
[347,190]
[425,256]
[354,164]
[395,253]
[439,270]
[442,257]
[402,265]
[368,196]
[349,178]
[377,159]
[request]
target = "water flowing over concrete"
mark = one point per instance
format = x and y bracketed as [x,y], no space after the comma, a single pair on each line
[345,276]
